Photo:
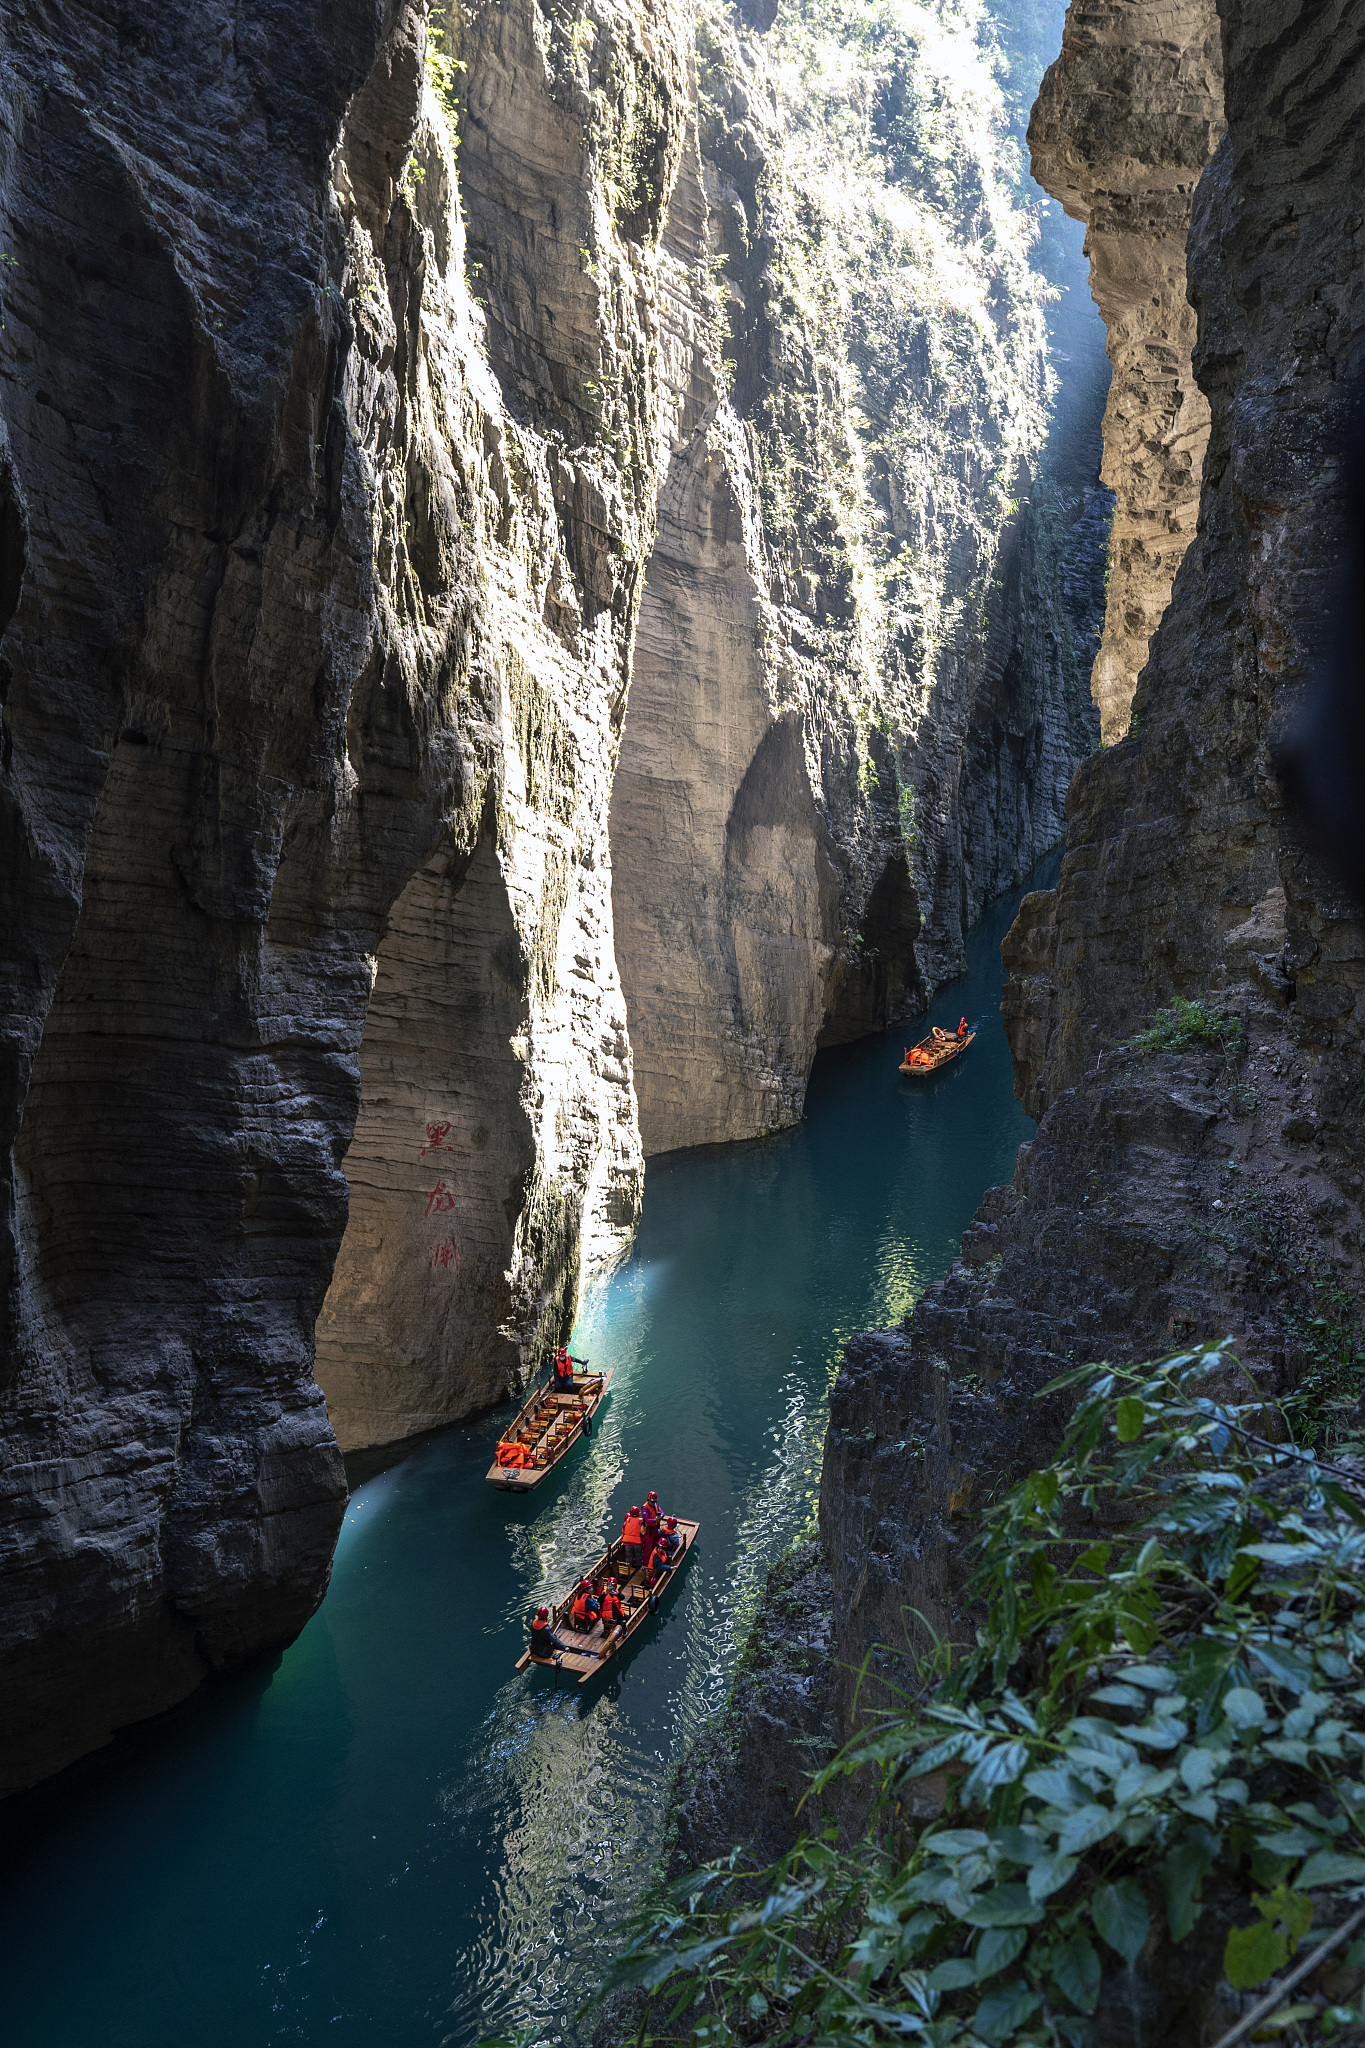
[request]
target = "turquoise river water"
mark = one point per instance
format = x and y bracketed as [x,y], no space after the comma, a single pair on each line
[387,1837]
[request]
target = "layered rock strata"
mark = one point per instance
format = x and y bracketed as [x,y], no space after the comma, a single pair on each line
[859,686]
[319,584]
[1124,124]
[1190,1194]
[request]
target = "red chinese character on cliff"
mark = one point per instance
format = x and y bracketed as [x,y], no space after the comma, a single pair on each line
[436,1139]
[440,1199]
[446,1254]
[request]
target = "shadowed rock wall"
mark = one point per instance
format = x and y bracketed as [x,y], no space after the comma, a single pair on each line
[1171,1197]
[312,666]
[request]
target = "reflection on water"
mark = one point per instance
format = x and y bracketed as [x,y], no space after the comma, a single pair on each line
[392,1839]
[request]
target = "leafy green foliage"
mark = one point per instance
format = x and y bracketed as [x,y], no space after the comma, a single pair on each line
[1185,1025]
[1179,1699]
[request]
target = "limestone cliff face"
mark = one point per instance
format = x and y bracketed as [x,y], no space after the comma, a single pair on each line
[859,691]
[320,575]
[1125,122]
[495,1160]
[1170,1197]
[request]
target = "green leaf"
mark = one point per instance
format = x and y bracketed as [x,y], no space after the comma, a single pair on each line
[1244,1570]
[1001,1765]
[1199,1768]
[1155,1677]
[1141,1781]
[1254,1953]
[1050,1875]
[1009,1905]
[1244,1708]
[955,1842]
[1120,1914]
[1057,1787]
[1119,1696]
[951,1976]
[1001,2013]
[997,1949]
[1128,1419]
[1081,1831]
[1329,1868]
[1183,1872]
[1293,1842]
[1076,1972]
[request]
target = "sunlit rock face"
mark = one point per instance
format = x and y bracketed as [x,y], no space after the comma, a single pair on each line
[1170,1196]
[858,693]
[1125,122]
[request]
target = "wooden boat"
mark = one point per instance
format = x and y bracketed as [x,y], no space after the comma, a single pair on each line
[938,1053]
[549,1425]
[589,1652]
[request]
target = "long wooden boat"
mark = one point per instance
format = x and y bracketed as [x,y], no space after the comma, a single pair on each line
[937,1052]
[548,1426]
[588,1652]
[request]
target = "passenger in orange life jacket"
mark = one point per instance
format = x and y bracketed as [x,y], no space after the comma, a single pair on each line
[544,1641]
[632,1537]
[613,1612]
[650,1519]
[586,1611]
[962,1027]
[665,1550]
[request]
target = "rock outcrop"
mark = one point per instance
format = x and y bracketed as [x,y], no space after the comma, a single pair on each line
[859,687]
[1171,1196]
[1124,124]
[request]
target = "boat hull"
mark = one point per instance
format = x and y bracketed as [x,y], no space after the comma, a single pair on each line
[523,1478]
[587,1654]
[937,1056]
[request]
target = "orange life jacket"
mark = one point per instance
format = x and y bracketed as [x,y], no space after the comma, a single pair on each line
[612,1610]
[514,1454]
[632,1532]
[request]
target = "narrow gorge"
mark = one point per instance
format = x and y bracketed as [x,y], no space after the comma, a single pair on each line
[523,598]
[556,565]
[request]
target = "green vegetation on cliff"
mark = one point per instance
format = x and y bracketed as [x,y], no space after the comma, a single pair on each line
[1146,1776]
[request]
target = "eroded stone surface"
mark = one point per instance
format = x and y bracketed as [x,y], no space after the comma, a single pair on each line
[1173,1197]
[859,690]
[1124,124]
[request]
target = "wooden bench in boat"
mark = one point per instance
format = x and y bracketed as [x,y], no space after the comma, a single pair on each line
[550,1423]
[938,1052]
[587,1653]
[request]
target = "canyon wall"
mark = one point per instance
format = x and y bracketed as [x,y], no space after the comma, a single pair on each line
[351,365]
[1124,124]
[320,576]
[1204,1190]
[859,687]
